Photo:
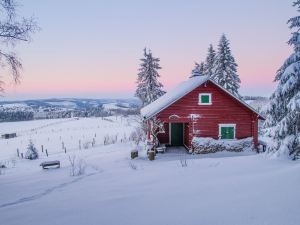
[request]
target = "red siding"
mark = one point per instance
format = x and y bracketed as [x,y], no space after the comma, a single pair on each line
[224,109]
[164,137]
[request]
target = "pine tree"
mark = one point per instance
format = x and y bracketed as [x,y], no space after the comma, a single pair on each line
[283,120]
[31,152]
[209,68]
[198,70]
[148,87]
[226,68]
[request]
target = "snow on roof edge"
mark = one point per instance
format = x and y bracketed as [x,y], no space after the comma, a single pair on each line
[181,90]
[172,96]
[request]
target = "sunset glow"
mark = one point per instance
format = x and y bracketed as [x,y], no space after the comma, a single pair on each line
[93,49]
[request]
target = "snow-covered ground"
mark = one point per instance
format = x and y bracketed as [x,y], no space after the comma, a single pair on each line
[217,189]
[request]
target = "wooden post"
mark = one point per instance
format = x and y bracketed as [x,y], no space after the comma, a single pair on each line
[47,152]
[42,148]
[18,153]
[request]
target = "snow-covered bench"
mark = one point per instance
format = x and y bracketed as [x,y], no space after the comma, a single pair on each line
[49,164]
[161,148]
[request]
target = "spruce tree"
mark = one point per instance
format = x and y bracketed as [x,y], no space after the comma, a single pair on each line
[198,70]
[209,68]
[226,68]
[283,115]
[148,87]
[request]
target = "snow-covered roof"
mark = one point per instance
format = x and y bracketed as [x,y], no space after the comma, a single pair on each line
[170,97]
[178,92]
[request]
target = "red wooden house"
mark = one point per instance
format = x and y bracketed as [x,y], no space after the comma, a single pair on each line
[199,107]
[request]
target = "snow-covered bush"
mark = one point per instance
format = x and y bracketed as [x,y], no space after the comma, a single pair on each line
[78,166]
[32,152]
[183,161]
[132,165]
[210,145]
[137,136]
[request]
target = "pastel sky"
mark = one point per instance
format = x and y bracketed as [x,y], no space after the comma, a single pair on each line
[92,48]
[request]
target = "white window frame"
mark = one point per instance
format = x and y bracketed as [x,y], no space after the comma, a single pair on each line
[227,125]
[210,99]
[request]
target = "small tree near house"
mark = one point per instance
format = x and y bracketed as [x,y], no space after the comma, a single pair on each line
[32,152]
[198,70]
[148,87]
[225,72]
[210,63]
[156,127]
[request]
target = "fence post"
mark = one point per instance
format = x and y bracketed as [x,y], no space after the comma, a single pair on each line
[47,152]
[42,148]
[65,150]
[18,153]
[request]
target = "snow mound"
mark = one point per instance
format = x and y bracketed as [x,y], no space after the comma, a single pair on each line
[210,145]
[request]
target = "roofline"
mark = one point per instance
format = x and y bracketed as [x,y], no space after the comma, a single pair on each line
[222,88]
[158,111]
[240,100]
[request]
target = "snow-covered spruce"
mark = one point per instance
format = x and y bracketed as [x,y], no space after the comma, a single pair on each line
[198,70]
[148,87]
[226,68]
[210,63]
[32,152]
[283,120]
[210,145]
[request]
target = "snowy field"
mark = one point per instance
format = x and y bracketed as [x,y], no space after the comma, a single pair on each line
[213,189]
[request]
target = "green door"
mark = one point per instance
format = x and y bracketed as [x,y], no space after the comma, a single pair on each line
[176,134]
[227,132]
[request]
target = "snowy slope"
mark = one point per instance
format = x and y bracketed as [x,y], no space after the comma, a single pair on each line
[214,189]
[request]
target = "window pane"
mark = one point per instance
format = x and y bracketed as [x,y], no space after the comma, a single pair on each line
[223,132]
[204,98]
[227,132]
[230,132]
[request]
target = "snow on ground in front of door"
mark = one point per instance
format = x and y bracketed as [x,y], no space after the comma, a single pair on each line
[213,189]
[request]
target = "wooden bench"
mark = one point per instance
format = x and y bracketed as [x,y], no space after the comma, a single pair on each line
[48,164]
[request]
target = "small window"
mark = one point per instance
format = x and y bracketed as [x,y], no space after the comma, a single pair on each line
[227,131]
[205,99]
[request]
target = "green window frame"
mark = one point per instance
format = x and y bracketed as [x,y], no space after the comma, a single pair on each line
[227,131]
[205,99]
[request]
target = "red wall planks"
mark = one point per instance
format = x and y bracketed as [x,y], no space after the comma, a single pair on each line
[224,109]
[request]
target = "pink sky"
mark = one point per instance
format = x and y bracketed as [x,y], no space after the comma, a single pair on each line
[98,55]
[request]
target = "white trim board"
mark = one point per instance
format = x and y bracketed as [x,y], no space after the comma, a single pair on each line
[210,99]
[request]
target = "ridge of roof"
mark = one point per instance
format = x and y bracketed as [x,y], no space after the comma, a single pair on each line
[181,90]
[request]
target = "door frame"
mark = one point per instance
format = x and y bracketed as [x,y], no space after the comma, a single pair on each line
[170,133]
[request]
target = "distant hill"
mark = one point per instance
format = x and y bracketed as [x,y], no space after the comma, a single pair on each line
[258,103]
[65,107]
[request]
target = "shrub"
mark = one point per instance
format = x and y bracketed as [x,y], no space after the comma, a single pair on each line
[78,166]
[32,152]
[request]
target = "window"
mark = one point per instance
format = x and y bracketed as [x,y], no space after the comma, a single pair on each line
[227,131]
[205,99]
